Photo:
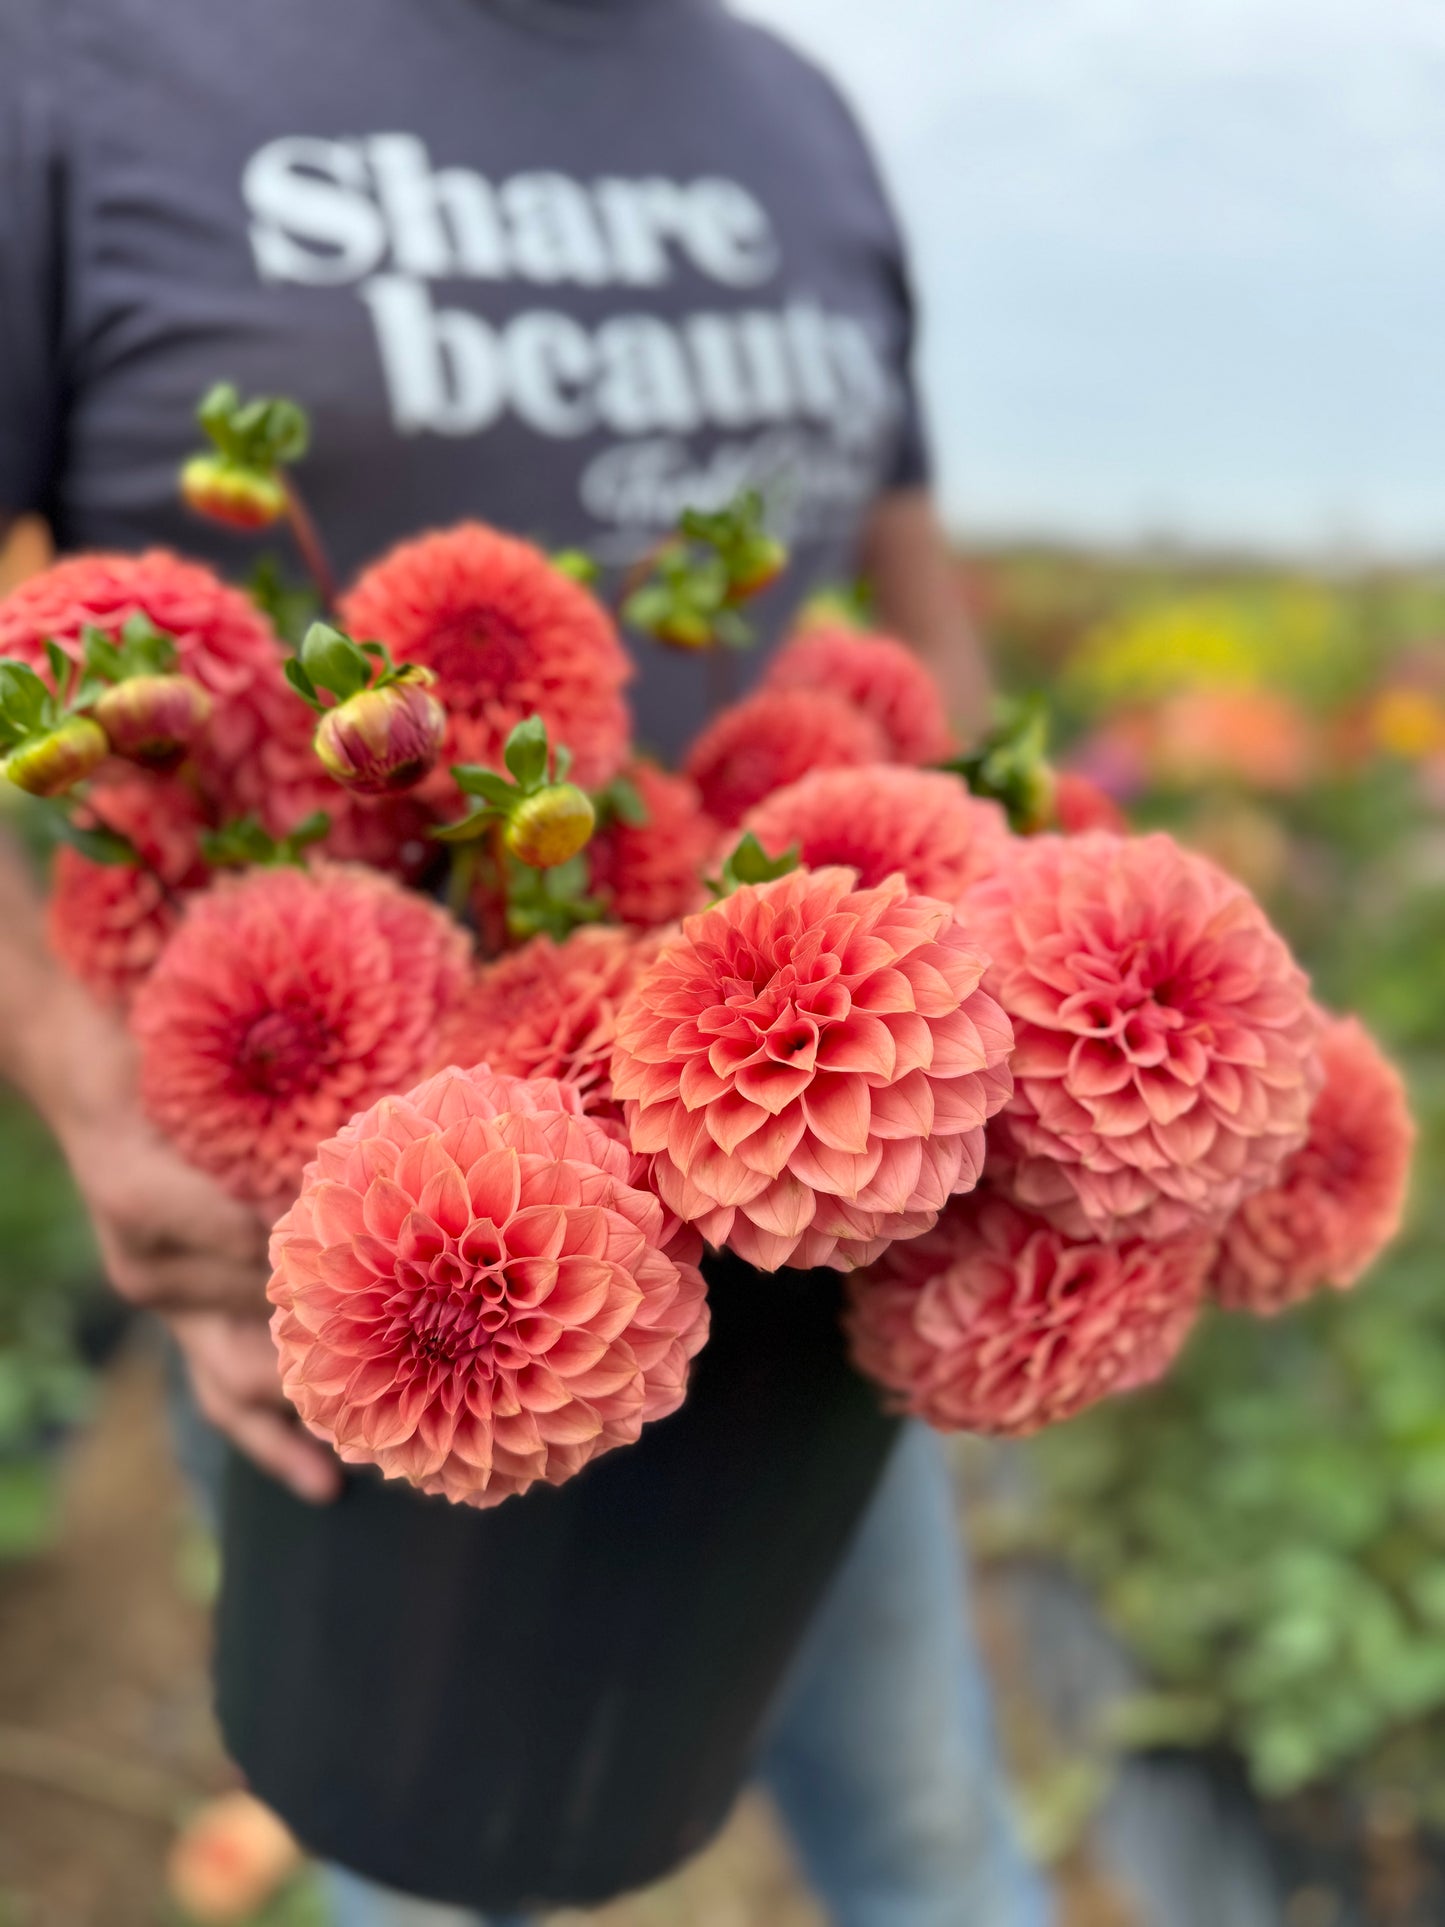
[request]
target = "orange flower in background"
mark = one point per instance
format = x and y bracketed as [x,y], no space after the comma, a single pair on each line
[810,1067]
[1165,1058]
[1339,1200]
[921,823]
[471,1295]
[651,873]
[549,1010]
[108,922]
[222,641]
[286,1000]
[996,1322]
[881,676]
[771,739]
[1253,736]
[508,636]
[1408,722]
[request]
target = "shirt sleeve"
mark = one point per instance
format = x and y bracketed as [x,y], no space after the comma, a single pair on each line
[30,261]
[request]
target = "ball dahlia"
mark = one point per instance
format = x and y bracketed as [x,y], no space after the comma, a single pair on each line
[996,1322]
[508,636]
[1339,1200]
[922,823]
[285,1001]
[771,739]
[651,873]
[222,641]
[810,1066]
[1165,1060]
[108,922]
[881,676]
[471,1294]
[549,1010]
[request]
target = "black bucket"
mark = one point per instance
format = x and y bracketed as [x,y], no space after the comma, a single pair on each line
[556,1701]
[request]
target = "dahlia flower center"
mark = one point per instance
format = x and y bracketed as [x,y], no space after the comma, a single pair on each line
[452,1304]
[481,649]
[283,1051]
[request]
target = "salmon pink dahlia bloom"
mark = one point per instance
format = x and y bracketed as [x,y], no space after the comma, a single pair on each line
[920,822]
[1166,1061]
[508,636]
[881,676]
[810,1067]
[771,739]
[222,641]
[996,1322]
[549,1010]
[471,1295]
[108,922]
[651,873]
[1339,1200]
[285,1001]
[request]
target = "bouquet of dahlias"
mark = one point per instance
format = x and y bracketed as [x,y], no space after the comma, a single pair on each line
[505,1024]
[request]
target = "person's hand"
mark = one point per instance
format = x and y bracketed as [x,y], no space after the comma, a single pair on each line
[237,1383]
[170,1238]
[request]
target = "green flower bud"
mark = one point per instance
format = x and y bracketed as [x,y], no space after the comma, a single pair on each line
[550,827]
[245,498]
[51,764]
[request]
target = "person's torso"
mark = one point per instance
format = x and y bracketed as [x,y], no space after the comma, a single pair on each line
[567,268]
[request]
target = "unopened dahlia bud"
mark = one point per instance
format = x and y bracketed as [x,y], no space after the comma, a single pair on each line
[756,568]
[246,498]
[51,764]
[550,827]
[153,719]
[385,738]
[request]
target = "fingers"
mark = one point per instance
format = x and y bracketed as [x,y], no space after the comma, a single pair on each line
[238,1388]
[184,1281]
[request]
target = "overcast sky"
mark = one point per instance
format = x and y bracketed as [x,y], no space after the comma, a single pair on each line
[1183,261]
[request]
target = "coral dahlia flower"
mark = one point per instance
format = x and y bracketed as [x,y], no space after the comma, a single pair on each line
[549,1010]
[651,873]
[881,676]
[223,643]
[771,739]
[922,823]
[471,1295]
[285,1001]
[810,1067]
[508,636]
[1339,1200]
[108,922]
[996,1322]
[1165,1061]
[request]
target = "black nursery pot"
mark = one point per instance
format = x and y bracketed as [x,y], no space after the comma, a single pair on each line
[555,1701]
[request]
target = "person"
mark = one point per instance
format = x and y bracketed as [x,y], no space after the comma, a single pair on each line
[569,265]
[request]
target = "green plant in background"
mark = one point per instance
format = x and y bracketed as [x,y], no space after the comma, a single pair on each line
[47,1269]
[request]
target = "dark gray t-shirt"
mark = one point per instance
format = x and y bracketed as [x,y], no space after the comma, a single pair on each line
[568,265]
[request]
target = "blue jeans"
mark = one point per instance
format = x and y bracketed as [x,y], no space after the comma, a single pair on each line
[881,1761]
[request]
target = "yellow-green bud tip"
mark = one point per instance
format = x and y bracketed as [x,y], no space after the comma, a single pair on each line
[550,827]
[50,765]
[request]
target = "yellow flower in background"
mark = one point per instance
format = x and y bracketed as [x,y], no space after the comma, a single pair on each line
[1285,636]
[1407,722]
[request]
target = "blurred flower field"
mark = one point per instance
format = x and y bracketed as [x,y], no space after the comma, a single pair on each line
[1267,1532]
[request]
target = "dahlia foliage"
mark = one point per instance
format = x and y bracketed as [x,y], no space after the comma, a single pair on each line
[502,1023]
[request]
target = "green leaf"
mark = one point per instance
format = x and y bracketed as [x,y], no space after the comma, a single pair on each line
[333,661]
[62,669]
[309,830]
[287,430]
[214,412]
[25,702]
[621,802]
[101,658]
[467,829]
[145,650]
[301,682]
[474,779]
[290,609]
[526,753]
[238,844]
[96,842]
[578,565]
[750,863]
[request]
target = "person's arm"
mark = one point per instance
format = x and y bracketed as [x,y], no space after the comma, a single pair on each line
[916,593]
[169,1238]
